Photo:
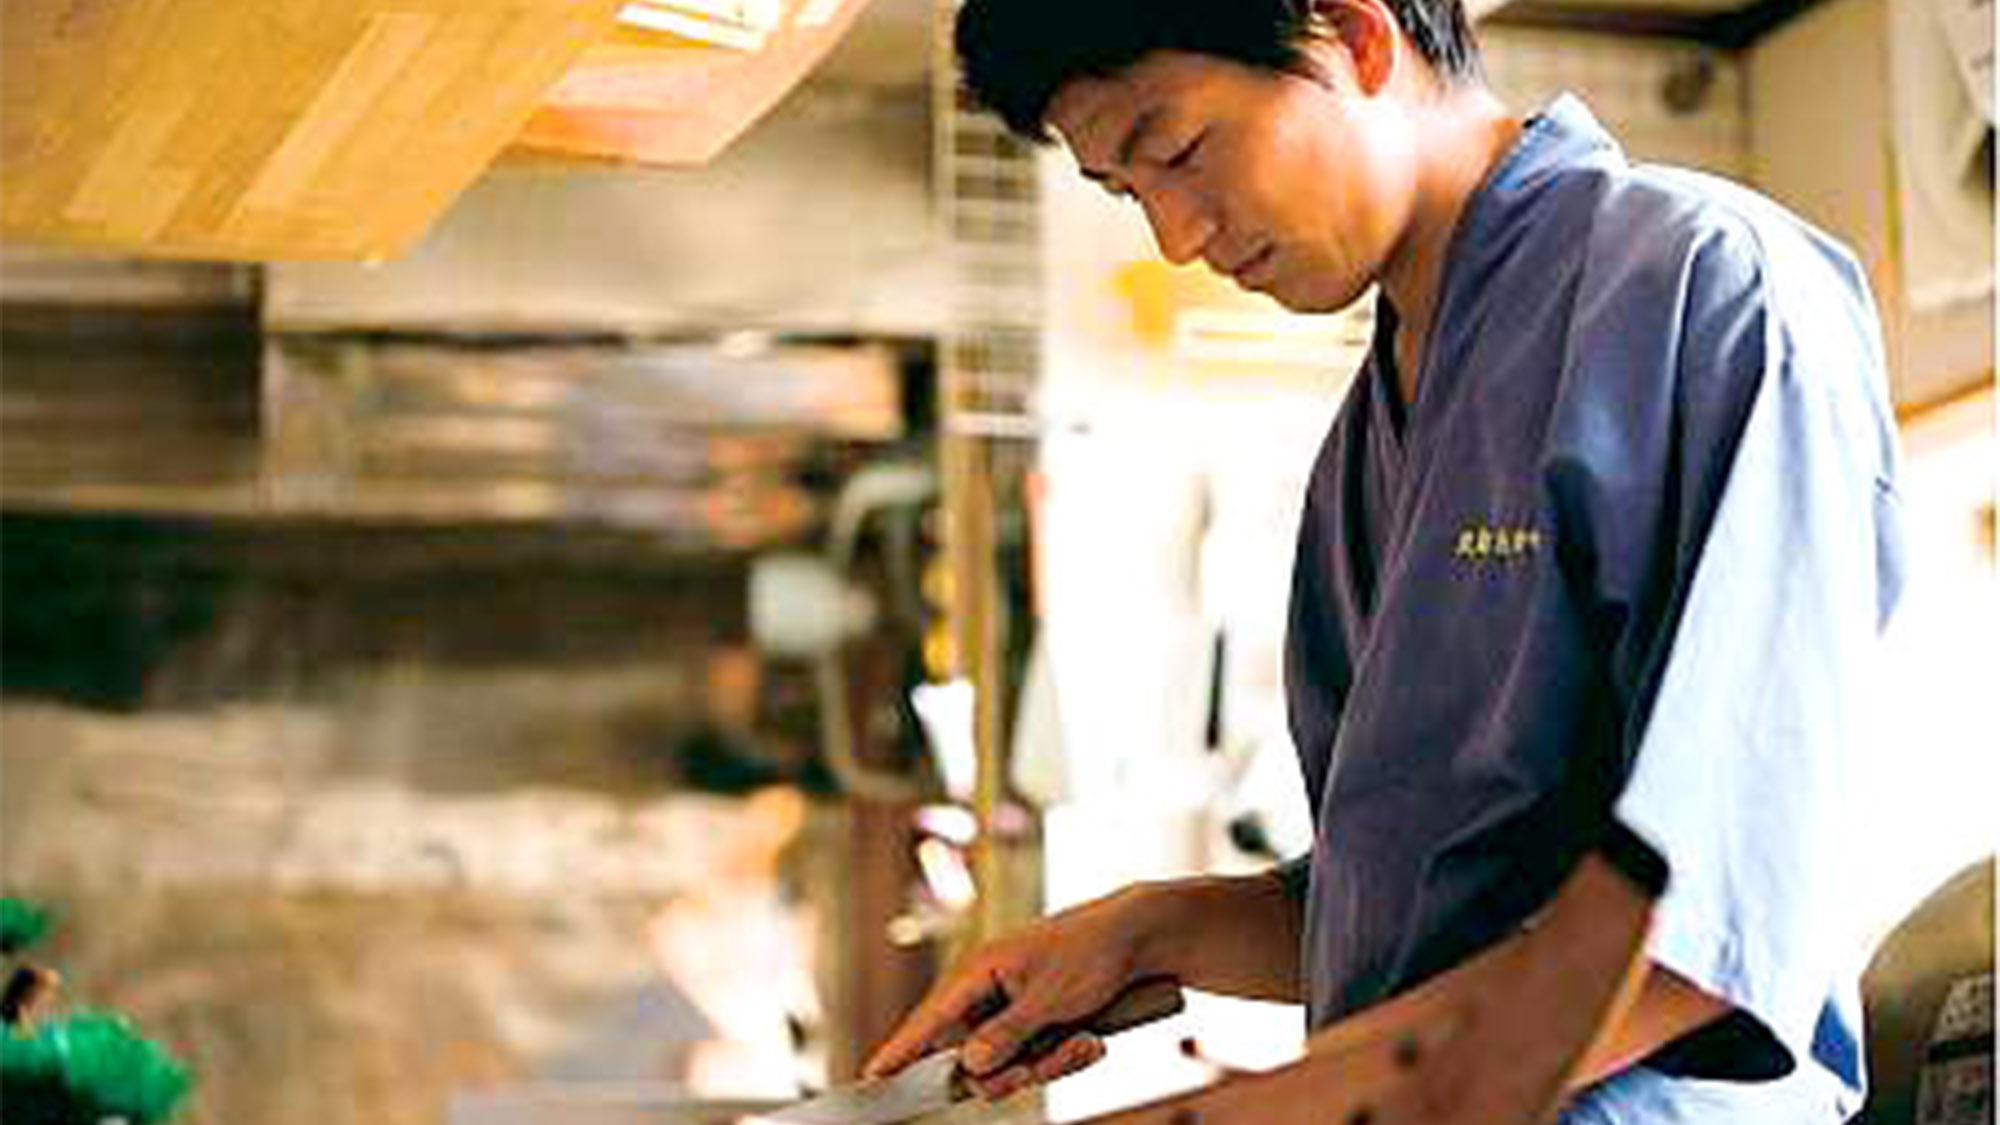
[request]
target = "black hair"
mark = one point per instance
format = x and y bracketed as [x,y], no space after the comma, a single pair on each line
[1015,54]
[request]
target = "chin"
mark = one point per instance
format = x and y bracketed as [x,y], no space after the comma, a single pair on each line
[1309,298]
[1307,301]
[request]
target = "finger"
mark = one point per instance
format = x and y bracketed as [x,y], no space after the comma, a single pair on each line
[994,1043]
[943,1010]
[1075,1053]
[994,1087]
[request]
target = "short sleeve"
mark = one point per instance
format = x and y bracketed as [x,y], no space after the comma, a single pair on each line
[1745,746]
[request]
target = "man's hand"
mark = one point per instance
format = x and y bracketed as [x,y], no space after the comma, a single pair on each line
[1060,969]
[1234,935]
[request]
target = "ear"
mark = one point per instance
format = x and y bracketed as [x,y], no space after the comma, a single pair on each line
[1366,32]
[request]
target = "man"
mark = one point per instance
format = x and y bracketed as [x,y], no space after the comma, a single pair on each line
[1605,527]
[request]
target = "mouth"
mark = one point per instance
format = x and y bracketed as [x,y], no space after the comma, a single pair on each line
[1247,271]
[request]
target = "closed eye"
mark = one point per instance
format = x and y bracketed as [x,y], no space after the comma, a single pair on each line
[1187,151]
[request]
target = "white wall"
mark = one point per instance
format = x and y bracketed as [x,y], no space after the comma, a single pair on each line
[1928,805]
[1624,81]
[1824,141]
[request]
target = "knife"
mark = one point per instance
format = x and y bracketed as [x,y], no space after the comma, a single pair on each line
[934,1082]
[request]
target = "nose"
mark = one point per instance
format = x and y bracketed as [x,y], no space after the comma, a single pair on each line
[1180,225]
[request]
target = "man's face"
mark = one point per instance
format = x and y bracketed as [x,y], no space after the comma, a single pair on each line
[1293,186]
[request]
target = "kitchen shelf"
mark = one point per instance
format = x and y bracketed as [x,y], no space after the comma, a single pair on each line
[643,96]
[341,129]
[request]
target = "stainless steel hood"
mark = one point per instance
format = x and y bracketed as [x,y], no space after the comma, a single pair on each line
[819,221]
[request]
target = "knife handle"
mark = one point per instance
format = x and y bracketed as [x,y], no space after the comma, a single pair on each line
[1143,1001]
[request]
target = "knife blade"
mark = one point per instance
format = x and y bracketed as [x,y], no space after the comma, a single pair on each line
[934,1082]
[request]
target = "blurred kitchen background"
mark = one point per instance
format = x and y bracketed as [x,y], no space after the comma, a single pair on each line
[622,638]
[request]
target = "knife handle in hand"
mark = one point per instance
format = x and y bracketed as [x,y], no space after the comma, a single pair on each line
[1142,1002]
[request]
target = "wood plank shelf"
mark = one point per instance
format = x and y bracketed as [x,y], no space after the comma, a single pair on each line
[265,130]
[648,97]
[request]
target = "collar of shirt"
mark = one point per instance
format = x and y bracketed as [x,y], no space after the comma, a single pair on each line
[1496,215]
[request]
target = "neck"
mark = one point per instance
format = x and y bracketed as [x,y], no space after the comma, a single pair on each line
[1465,134]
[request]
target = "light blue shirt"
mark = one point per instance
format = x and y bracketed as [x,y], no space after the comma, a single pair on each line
[1626,554]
